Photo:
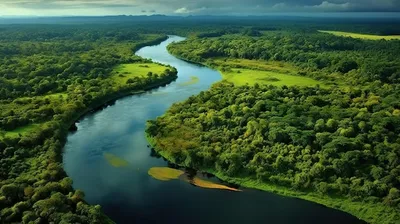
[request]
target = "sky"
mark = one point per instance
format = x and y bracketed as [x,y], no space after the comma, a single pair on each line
[189,7]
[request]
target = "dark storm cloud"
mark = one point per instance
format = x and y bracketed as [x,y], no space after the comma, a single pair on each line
[259,6]
[211,6]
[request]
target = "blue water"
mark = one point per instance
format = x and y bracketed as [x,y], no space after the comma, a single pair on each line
[130,195]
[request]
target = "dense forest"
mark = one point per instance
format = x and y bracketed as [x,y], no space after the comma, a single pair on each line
[320,56]
[49,77]
[341,141]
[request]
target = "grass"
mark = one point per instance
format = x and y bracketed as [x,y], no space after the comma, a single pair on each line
[123,72]
[20,106]
[115,161]
[53,96]
[56,96]
[361,36]
[243,71]
[251,77]
[273,66]
[22,130]
[165,173]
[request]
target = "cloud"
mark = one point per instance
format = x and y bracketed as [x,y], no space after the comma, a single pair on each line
[328,6]
[185,10]
[64,4]
[217,7]
[182,10]
[279,6]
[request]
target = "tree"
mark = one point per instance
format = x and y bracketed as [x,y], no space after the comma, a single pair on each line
[347,65]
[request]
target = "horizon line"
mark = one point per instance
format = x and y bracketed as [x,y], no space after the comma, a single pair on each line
[297,14]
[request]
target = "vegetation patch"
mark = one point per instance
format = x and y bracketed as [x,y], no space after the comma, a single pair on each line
[361,36]
[122,73]
[49,78]
[211,185]
[328,58]
[271,79]
[252,77]
[165,173]
[193,80]
[115,161]
[20,131]
[304,142]
[262,65]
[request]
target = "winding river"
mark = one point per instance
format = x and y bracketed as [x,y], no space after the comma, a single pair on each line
[129,195]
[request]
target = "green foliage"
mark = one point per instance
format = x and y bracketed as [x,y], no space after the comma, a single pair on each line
[253,76]
[307,139]
[331,141]
[316,55]
[362,36]
[47,81]
[333,145]
[133,72]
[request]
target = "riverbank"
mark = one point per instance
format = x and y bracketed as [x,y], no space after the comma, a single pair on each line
[369,212]
[240,72]
[33,161]
[118,95]
[65,126]
[111,98]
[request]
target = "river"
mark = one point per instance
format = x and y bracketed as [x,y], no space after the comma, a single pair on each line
[129,195]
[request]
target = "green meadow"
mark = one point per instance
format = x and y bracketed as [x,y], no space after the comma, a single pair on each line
[249,72]
[21,131]
[361,36]
[273,66]
[123,72]
[251,77]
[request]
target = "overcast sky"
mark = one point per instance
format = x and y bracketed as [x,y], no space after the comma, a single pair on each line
[189,7]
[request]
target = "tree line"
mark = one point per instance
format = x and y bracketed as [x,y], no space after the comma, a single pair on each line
[49,78]
[340,141]
[318,55]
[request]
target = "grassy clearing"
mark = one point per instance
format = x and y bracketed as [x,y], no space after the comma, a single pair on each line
[361,36]
[21,105]
[115,161]
[251,77]
[123,72]
[56,96]
[244,71]
[21,131]
[53,96]
[272,66]
[165,173]
[193,80]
